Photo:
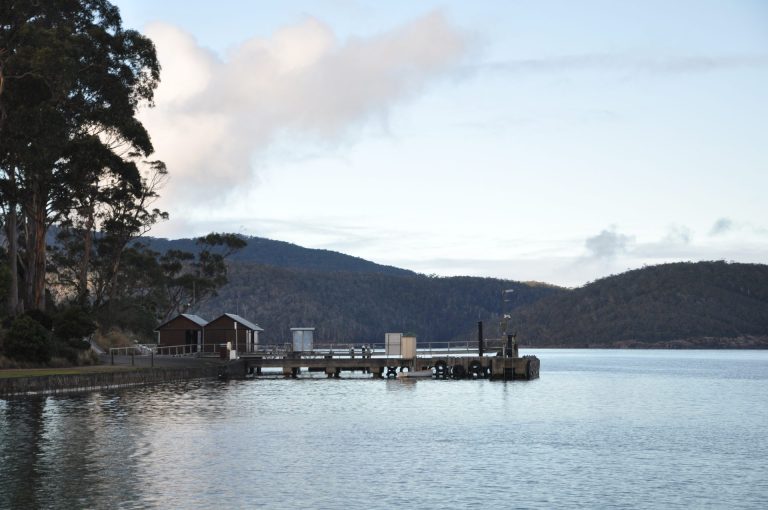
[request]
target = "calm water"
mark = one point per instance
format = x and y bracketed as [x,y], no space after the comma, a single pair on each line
[600,429]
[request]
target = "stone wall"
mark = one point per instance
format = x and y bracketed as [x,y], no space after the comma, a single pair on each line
[48,384]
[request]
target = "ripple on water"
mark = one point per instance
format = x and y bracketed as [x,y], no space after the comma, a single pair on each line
[599,429]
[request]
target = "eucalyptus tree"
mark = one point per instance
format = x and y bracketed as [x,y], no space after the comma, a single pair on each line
[189,279]
[71,82]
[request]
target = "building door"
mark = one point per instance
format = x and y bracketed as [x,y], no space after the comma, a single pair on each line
[190,338]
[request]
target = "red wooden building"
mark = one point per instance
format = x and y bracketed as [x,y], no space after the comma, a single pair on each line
[184,329]
[243,334]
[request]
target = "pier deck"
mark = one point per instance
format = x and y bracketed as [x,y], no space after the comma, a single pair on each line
[442,366]
[455,360]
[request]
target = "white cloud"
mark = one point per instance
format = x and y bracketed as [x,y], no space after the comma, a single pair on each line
[215,116]
[629,62]
[678,235]
[608,244]
[721,226]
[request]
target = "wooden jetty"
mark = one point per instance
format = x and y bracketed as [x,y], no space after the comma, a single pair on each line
[482,359]
[454,361]
[442,367]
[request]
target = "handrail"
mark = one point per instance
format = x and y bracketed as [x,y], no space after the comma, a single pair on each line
[342,350]
[378,349]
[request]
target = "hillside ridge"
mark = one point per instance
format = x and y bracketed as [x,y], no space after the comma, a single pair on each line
[283,254]
[676,304]
[712,304]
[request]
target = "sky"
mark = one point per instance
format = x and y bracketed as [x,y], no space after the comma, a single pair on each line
[555,141]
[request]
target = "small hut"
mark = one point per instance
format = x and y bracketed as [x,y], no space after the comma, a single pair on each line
[184,329]
[243,333]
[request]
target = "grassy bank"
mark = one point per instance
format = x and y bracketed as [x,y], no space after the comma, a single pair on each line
[41,372]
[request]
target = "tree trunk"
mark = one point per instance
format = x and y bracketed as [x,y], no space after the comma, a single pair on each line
[82,278]
[29,273]
[41,229]
[36,251]
[12,231]
[112,290]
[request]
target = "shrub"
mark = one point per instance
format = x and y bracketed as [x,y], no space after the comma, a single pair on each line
[72,325]
[41,318]
[113,338]
[27,340]
[62,350]
[88,357]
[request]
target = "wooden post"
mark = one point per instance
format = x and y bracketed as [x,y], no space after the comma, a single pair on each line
[480,346]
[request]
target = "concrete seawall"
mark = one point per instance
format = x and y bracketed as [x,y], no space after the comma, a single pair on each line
[53,384]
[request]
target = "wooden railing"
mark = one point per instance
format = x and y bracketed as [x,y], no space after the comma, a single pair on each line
[338,350]
[378,349]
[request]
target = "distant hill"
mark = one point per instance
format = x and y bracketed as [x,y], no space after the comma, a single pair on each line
[282,254]
[357,306]
[704,304]
[281,285]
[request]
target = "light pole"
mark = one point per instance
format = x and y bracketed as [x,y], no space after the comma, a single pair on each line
[504,321]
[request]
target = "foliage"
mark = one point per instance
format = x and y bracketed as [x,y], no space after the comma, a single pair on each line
[656,304]
[28,340]
[114,337]
[151,287]
[355,306]
[5,279]
[75,157]
[73,324]
[71,148]
[281,254]
[41,318]
[191,279]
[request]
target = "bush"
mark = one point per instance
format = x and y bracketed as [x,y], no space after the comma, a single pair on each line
[129,315]
[113,338]
[72,325]
[88,357]
[41,318]
[27,340]
[62,350]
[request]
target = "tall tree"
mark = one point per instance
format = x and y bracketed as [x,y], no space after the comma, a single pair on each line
[70,77]
[190,280]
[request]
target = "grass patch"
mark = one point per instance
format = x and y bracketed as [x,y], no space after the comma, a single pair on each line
[39,372]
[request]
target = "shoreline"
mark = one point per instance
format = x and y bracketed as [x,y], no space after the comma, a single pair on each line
[717,344]
[110,377]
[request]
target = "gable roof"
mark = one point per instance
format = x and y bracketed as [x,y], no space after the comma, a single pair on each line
[245,322]
[194,318]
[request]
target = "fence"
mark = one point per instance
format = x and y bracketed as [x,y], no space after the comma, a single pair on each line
[367,349]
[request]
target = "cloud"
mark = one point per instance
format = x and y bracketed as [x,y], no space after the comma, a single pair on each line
[721,226]
[215,116]
[609,62]
[608,244]
[678,235]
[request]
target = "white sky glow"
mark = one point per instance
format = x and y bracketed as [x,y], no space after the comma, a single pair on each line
[538,140]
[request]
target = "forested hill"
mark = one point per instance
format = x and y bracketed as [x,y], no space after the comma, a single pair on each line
[282,254]
[704,304]
[280,285]
[361,307]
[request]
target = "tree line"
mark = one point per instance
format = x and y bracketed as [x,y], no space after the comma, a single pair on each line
[349,306]
[78,181]
[702,304]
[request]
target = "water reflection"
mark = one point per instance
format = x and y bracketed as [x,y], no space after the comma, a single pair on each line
[402,384]
[608,436]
